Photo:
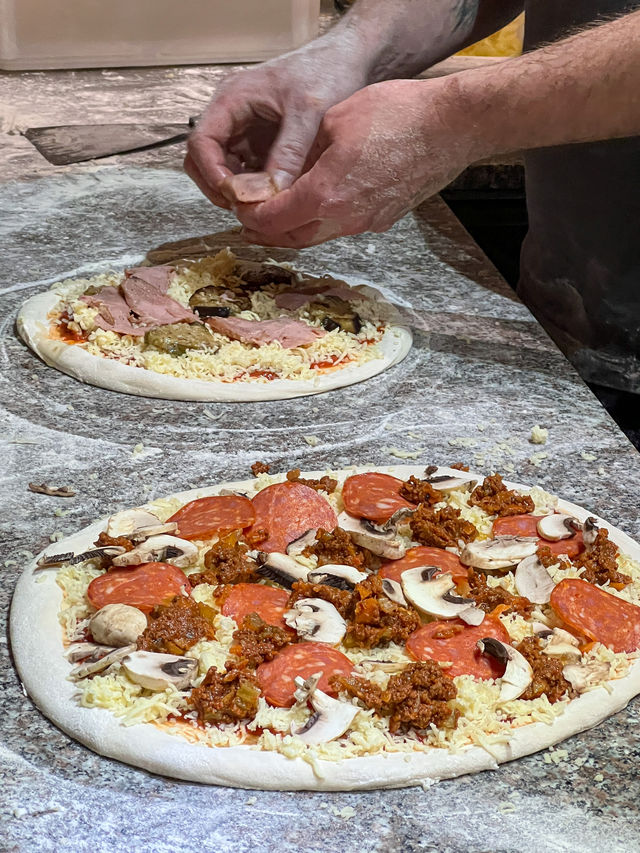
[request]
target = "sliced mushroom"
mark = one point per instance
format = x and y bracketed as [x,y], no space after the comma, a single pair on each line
[583,676]
[518,673]
[556,526]
[560,643]
[280,568]
[155,671]
[70,559]
[533,581]
[117,625]
[87,652]
[330,719]
[380,540]
[101,665]
[446,483]
[503,552]
[125,522]
[160,549]
[336,575]
[393,590]
[431,593]
[383,665]
[590,531]
[316,619]
[298,545]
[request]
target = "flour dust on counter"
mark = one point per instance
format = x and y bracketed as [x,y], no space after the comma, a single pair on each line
[217,328]
[333,630]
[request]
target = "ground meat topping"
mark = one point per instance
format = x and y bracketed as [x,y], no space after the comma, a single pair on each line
[260,468]
[489,597]
[340,598]
[104,541]
[459,466]
[416,697]
[419,492]
[324,484]
[175,627]
[226,563]
[548,558]
[336,547]
[256,641]
[547,672]
[441,528]
[375,620]
[600,563]
[493,497]
[226,697]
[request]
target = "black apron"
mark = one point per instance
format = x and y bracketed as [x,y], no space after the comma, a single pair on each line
[580,269]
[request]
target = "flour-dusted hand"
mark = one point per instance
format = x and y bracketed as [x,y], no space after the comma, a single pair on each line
[376,156]
[266,119]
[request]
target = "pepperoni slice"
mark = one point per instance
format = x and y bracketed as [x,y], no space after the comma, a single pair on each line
[268,602]
[303,659]
[597,614]
[424,555]
[526,525]
[204,517]
[284,511]
[374,496]
[143,587]
[458,645]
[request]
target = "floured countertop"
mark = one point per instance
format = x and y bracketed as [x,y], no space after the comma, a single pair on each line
[481,374]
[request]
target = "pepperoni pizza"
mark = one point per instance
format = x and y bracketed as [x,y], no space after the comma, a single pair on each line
[216,328]
[336,631]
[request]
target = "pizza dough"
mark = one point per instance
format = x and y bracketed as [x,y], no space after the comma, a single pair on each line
[33,324]
[38,651]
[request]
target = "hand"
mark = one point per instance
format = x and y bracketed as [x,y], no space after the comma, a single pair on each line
[266,118]
[376,156]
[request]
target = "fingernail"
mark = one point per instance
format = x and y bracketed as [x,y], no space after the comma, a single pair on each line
[281,179]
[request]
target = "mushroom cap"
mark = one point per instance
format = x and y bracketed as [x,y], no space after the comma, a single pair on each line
[380,540]
[316,619]
[295,548]
[432,595]
[117,625]
[533,581]
[393,590]
[518,673]
[125,522]
[331,717]
[332,573]
[557,526]
[581,676]
[101,664]
[502,552]
[163,549]
[280,568]
[155,671]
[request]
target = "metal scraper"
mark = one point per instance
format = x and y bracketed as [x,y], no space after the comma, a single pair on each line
[75,143]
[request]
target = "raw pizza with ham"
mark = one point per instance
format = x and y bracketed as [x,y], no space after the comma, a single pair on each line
[333,630]
[216,328]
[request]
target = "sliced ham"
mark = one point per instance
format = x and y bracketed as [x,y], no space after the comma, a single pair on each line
[315,290]
[289,333]
[151,305]
[159,277]
[114,315]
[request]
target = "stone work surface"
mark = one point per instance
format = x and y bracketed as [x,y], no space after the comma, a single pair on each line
[480,375]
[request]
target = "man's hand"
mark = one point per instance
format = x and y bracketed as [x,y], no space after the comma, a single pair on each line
[265,119]
[376,156]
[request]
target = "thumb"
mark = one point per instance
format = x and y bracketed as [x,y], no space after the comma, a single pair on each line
[292,145]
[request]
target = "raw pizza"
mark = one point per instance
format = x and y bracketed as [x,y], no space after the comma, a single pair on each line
[215,328]
[335,631]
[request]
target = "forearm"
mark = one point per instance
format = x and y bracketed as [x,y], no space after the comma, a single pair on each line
[581,89]
[400,38]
